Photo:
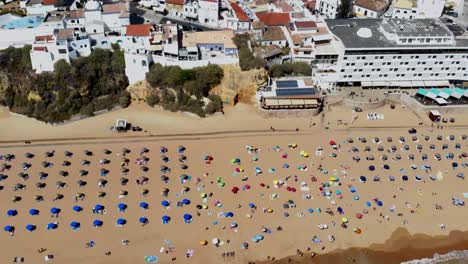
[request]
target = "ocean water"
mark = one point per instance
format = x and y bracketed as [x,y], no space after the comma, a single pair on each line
[453,257]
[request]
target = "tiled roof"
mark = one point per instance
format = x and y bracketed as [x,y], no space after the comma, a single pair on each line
[310,4]
[49,2]
[374,5]
[285,7]
[241,15]
[258,25]
[65,33]
[141,30]
[40,48]
[79,13]
[305,24]
[274,19]
[44,38]
[114,8]
[273,34]
[296,39]
[175,2]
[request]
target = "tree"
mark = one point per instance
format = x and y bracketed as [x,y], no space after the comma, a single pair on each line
[344,9]
[124,99]
[152,99]
[62,71]
[290,69]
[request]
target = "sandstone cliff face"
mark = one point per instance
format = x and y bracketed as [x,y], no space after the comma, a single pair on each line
[244,84]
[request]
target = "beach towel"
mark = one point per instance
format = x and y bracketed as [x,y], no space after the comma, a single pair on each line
[151,259]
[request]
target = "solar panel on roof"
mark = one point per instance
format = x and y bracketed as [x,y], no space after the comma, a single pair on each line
[295,92]
[286,84]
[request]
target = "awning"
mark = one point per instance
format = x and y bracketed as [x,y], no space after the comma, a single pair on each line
[435,113]
[310,102]
[441,101]
[431,95]
[456,95]
[379,84]
[443,95]
[271,102]
[394,84]
[405,84]
[417,83]
[366,84]
[436,83]
[422,92]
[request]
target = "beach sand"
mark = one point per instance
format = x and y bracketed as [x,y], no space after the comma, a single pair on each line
[298,229]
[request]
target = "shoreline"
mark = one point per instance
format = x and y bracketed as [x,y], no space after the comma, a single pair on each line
[399,248]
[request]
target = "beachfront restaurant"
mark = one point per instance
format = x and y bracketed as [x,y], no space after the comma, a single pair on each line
[289,94]
[442,97]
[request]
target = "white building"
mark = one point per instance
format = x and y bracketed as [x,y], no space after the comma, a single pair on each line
[328,8]
[40,7]
[208,12]
[97,19]
[395,53]
[370,8]
[236,19]
[47,50]
[408,9]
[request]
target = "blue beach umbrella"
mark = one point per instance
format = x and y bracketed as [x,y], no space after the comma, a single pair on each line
[122,207]
[9,228]
[186,201]
[143,220]
[379,203]
[187,218]
[371,167]
[229,214]
[368,204]
[30,228]
[77,208]
[121,221]
[363,178]
[144,205]
[310,210]
[97,223]
[386,167]
[166,219]
[165,203]
[404,178]
[51,226]
[251,205]
[54,210]
[12,212]
[75,225]
[33,211]
[99,207]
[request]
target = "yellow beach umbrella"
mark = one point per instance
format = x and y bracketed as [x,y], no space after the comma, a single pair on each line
[203,195]
[344,220]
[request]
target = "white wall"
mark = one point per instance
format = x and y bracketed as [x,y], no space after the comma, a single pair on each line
[39,9]
[136,66]
[364,12]
[328,8]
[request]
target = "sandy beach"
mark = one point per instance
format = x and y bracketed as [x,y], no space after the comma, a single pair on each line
[291,192]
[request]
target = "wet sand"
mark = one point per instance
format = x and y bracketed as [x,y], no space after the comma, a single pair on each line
[400,247]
